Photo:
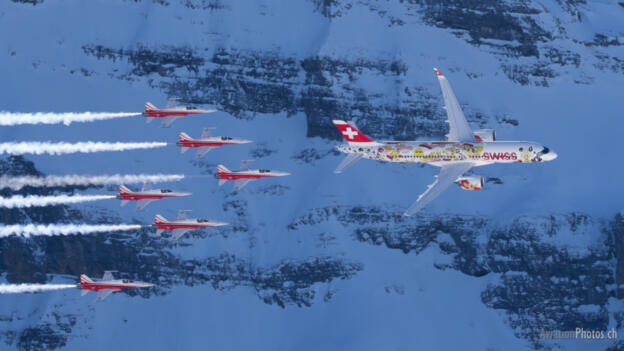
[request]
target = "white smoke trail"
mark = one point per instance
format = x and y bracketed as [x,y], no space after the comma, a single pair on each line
[39,148]
[30,288]
[11,119]
[16,183]
[34,200]
[27,230]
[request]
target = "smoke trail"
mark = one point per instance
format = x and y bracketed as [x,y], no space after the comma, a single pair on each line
[39,148]
[34,200]
[16,183]
[11,119]
[27,230]
[30,288]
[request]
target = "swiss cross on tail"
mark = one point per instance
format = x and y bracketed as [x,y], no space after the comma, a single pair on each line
[351,133]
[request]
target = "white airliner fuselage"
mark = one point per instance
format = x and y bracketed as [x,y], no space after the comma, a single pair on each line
[440,153]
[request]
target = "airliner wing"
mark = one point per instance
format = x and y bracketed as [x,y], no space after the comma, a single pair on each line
[347,162]
[177,233]
[240,183]
[102,294]
[448,174]
[459,129]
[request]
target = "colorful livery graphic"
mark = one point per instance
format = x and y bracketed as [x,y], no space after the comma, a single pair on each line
[463,150]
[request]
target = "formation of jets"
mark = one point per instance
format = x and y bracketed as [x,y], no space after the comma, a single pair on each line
[463,150]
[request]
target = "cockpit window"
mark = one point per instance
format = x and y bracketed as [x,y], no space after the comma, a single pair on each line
[201,220]
[264,170]
[226,138]
[165,191]
[191,108]
[545,150]
[125,281]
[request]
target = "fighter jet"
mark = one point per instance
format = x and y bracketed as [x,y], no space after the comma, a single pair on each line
[245,175]
[171,112]
[182,224]
[107,285]
[463,150]
[145,196]
[206,142]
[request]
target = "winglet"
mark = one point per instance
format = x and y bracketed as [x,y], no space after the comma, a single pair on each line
[437,72]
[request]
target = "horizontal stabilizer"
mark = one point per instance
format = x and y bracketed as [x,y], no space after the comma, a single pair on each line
[348,161]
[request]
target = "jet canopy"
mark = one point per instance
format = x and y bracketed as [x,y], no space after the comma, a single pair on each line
[264,170]
[201,220]
[191,108]
[225,138]
[126,281]
[166,190]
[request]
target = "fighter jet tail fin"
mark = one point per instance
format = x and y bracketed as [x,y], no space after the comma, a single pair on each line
[123,189]
[184,136]
[222,169]
[159,218]
[85,279]
[150,107]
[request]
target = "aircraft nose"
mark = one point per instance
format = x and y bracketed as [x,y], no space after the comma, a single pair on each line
[549,156]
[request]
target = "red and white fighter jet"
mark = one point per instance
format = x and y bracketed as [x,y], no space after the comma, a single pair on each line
[171,112]
[245,175]
[206,142]
[182,224]
[145,196]
[107,285]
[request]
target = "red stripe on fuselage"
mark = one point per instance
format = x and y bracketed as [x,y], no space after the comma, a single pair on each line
[135,197]
[188,143]
[161,113]
[101,286]
[173,226]
[234,176]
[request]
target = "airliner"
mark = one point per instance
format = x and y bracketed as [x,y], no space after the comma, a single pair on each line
[463,150]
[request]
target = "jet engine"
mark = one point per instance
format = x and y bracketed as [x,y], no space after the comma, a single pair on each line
[470,182]
[485,135]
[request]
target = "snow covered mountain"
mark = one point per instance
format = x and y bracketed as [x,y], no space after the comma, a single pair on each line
[317,260]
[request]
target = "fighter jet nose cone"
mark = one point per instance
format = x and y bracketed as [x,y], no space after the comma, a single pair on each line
[549,156]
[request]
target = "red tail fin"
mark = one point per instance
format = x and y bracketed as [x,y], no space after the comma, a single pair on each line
[222,169]
[150,107]
[351,133]
[159,219]
[184,136]
[124,190]
[85,279]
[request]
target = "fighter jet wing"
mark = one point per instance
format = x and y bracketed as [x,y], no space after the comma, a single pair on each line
[203,150]
[177,233]
[446,177]
[459,129]
[142,203]
[168,120]
[206,133]
[149,119]
[240,183]
[347,162]
[108,275]
[102,294]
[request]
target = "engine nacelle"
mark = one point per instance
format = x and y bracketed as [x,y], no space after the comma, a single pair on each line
[485,135]
[470,182]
